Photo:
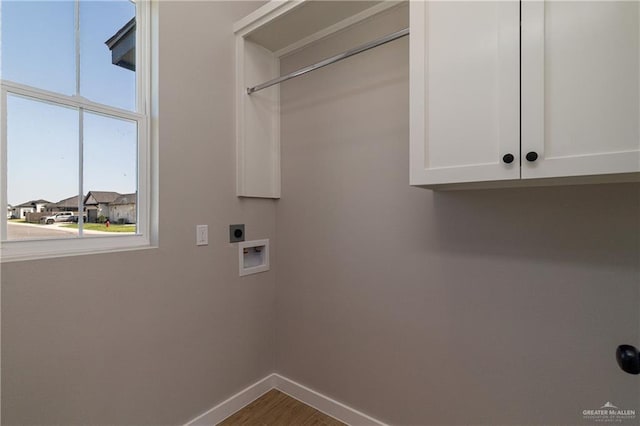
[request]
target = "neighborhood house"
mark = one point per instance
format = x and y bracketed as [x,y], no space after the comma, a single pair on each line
[123,209]
[20,211]
[99,206]
[103,205]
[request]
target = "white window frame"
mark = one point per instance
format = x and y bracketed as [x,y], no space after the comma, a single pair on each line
[145,116]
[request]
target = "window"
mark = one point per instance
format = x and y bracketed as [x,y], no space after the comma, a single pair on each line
[75,126]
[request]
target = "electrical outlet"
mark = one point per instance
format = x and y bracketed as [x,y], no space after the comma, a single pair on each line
[236,233]
[202,235]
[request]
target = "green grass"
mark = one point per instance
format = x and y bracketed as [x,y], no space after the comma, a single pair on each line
[18,220]
[102,227]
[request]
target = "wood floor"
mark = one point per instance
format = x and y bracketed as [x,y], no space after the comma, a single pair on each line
[277,409]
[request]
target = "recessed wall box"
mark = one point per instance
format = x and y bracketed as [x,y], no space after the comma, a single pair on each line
[253,257]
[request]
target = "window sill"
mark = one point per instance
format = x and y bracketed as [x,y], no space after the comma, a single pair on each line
[15,251]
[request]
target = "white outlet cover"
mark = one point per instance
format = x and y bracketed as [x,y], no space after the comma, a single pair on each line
[202,235]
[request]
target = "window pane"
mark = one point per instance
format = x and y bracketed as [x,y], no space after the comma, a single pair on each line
[110,175]
[42,169]
[107,52]
[38,44]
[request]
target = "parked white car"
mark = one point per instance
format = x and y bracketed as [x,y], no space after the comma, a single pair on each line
[58,217]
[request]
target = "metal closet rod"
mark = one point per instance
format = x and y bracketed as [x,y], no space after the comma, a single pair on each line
[331,60]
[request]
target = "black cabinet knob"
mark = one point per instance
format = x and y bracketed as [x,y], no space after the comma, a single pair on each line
[508,158]
[628,359]
[531,156]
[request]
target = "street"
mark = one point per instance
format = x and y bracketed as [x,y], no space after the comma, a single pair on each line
[26,231]
[23,231]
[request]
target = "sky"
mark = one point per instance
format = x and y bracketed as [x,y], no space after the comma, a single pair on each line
[43,150]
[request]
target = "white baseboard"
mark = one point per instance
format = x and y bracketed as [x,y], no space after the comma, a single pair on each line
[323,403]
[300,392]
[235,403]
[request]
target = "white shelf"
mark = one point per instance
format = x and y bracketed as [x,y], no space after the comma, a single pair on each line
[262,38]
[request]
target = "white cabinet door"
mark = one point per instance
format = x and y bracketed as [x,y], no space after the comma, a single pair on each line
[580,88]
[464,65]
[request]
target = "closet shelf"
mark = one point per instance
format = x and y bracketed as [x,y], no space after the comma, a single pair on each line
[263,37]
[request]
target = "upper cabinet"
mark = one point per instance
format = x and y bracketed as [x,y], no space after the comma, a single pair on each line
[464,76]
[580,88]
[556,101]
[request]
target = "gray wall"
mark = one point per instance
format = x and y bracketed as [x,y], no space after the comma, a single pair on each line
[499,306]
[432,308]
[157,336]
